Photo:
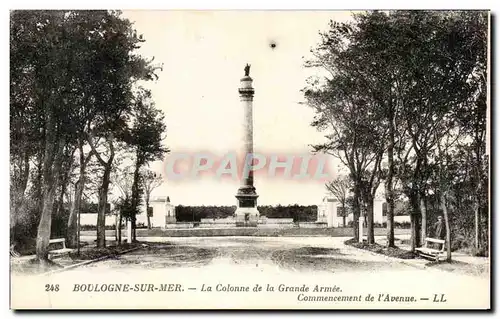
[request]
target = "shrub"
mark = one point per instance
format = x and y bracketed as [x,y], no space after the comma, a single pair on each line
[94,227]
[402,225]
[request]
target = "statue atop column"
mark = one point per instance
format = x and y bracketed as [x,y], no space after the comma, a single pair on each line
[247,70]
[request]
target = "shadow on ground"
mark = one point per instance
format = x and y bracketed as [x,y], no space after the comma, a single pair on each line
[246,252]
[164,255]
[324,259]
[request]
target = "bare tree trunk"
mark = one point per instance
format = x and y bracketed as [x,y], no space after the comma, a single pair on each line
[43,235]
[418,228]
[135,196]
[370,236]
[101,210]
[116,229]
[413,195]
[72,238]
[412,232]
[51,170]
[147,210]
[64,177]
[134,225]
[477,230]
[60,200]
[423,226]
[390,221]
[444,207]
[39,181]
[414,220]
[389,187]
[477,210]
[103,190]
[119,227]
[356,212]
[344,214]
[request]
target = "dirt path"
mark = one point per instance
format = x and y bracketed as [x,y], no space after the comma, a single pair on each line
[294,254]
[197,263]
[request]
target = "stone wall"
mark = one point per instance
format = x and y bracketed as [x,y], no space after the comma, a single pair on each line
[277,226]
[213,221]
[179,225]
[91,220]
[265,220]
[312,225]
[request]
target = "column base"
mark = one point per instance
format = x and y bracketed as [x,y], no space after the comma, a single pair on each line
[170,220]
[246,217]
[246,214]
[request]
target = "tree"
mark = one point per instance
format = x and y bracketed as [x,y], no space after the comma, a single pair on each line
[72,235]
[107,165]
[150,180]
[345,108]
[380,76]
[403,74]
[123,180]
[441,69]
[115,99]
[72,76]
[26,123]
[145,135]
[472,117]
[340,188]
[41,46]
[446,177]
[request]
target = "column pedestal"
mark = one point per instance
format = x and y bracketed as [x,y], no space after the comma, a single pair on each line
[246,214]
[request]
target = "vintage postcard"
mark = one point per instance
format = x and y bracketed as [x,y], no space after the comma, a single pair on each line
[249,159]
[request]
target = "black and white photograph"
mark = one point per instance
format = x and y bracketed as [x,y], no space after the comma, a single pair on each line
[250,159]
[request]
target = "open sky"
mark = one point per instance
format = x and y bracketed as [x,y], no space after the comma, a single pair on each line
[203,54]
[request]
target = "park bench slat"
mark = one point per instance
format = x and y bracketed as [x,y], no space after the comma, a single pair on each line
[435,240]
[57,240]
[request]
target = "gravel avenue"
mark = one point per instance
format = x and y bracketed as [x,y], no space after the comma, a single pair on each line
[259,272]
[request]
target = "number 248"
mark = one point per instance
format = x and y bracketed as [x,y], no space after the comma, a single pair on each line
[52,287]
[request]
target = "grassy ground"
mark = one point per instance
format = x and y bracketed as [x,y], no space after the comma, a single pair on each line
[29,265]
[89,253]
[32,266]
[478,268]
[379,249]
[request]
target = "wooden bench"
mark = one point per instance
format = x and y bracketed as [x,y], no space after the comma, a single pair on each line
[59,251]
[430,252]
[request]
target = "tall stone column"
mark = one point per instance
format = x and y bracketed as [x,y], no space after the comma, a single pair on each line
[246,211]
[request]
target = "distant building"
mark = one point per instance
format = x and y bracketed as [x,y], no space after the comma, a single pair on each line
[330,212]
[161,212]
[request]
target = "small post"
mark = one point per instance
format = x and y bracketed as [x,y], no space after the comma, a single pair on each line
[360,228]
[78,235]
